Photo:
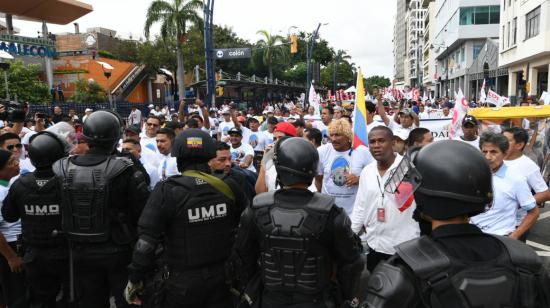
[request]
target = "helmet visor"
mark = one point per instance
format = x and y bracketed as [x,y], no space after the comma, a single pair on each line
[403,182]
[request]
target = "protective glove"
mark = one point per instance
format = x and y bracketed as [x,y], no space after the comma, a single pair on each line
[132,292]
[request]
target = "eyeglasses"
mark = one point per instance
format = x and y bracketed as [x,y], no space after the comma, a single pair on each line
[11,146]
[151,124]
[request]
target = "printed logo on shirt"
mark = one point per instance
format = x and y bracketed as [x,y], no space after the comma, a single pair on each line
[206,213]
[325,136]
[151,147]
[338,171]
[236,156]
[225,130]
[42,210]
[253,140]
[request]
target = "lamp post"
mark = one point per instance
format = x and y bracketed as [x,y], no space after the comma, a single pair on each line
[107,70]
[311,46]
[5,66]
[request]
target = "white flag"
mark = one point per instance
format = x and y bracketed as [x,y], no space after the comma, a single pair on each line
[545,97]
[482,95]
[460,110]
[314,101]
[493,98]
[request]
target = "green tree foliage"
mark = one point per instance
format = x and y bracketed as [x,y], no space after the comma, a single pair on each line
[272,51]
[375,80]
[24,83]
[158,54]
[88,91]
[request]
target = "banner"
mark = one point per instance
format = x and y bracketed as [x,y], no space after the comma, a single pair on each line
[440,128]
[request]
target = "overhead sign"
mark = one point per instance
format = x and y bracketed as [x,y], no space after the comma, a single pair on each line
[232,53]
[27,46]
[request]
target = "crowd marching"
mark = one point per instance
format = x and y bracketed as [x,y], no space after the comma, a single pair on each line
[93,203]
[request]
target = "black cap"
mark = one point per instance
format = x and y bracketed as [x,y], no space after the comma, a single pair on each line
[272,120]
[469,119]
[235,130]
[134,129]
[173,125]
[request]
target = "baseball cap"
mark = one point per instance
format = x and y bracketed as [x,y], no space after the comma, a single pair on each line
[226,111]
[173,125]
[236,131]
[286,128]
[401,133]
[406,112]
[134,129]
[469,119]
[151,106]
[272,120]
[88,110]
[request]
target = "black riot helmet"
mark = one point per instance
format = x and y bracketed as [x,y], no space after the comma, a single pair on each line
[295,160]
[102,129]
[455,180]
[45,148]
[193,146]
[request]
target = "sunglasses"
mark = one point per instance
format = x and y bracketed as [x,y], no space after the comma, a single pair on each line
[12,146]
[151,124]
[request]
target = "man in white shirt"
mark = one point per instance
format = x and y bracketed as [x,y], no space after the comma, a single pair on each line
[149,138]
[375,210]
[225,126]
[242,154]
[168,165]
[133,147]
[326,118]
[470,131]
[371,112]
[340,165]
[146,154]
[135,116]
[510,192]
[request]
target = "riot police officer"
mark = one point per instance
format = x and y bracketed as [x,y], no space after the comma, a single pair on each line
[195,215]
[102,198]
[35,199]
[457,265]
[301,239]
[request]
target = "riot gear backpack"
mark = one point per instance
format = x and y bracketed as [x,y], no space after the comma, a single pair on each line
[87,215]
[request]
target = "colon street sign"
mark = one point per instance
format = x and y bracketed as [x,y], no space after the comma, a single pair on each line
[232,53]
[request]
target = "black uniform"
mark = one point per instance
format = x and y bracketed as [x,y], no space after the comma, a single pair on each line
[460,266]
[103,197]
[293,239]
[197,223]
[35,199]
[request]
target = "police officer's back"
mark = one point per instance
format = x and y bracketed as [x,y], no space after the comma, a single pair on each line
[457,265]
[196,216]
[301,239]
[103,196]
[35,199]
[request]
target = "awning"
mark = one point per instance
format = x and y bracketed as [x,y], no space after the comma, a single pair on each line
[59,12]
[504,113]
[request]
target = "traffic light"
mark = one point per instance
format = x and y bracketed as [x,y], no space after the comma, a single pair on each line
[293,43]
[219,91]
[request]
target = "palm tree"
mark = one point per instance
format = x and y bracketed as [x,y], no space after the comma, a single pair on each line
[174,16]
[271,51]
[340,55]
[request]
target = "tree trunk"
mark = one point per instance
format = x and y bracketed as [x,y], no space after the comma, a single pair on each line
[180,73]
[270,73]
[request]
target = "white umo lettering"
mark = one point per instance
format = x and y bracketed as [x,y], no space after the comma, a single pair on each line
[42,210]
[205,213]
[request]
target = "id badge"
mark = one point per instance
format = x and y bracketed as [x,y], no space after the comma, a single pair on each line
[381,214]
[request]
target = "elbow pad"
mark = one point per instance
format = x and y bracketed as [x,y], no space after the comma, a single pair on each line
[144,252]
[389,287]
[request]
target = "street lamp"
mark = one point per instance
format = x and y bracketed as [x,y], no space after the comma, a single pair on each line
[311,46]
[107,70]
[5,66]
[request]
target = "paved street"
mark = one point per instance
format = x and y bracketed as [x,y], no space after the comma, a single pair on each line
[539,238]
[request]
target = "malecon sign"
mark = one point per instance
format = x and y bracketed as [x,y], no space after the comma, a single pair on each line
[27,46]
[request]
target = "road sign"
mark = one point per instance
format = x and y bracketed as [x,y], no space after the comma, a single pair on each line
[232,53]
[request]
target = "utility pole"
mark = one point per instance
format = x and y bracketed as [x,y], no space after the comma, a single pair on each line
[209,55]
[310,49]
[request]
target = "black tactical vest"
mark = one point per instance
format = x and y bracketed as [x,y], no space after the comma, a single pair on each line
[294,257]
[203,229]
[86,212]
[40,208]
[511,281]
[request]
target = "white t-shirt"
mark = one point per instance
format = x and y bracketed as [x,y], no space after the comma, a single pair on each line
[324,130]
[168,167]
[268,137]
[152,171]
[238,154]
[474,143]
[530,170]
[149,143]
[334,166]
[394,126]
[255,139]
[25,166]
[373,124]
[224,127]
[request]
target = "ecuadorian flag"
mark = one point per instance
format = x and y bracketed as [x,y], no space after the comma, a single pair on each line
[360,136]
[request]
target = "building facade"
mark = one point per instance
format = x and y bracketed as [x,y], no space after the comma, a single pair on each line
[524,49]
[400,44]
[429,77]
[415,42]
[461,30]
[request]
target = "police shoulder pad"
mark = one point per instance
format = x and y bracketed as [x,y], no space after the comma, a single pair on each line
[423,256]
[320,202]
[264,199]
[520,254]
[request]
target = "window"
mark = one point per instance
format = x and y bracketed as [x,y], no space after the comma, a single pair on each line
[514,30]
[508,35]
[476,50]
[462,54]
[502,36]
[532,23]
[479,15]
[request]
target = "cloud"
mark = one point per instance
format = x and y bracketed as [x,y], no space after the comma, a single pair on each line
[364,28]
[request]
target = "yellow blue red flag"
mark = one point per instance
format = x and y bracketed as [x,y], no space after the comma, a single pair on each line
[360,118]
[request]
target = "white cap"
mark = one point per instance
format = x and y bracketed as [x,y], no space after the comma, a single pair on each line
[401,133]
[88,110]
[151,106]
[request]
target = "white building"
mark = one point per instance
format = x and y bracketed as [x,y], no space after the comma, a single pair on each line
[415,39]
[429,77]
[462,27]
[525,46]
[400,44]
